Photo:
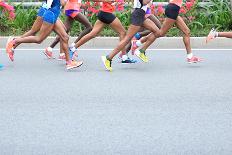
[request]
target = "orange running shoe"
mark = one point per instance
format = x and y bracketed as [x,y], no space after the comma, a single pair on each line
[10,48]
[73,64]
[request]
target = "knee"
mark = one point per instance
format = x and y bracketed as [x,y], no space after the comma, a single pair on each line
[65,38]
[39,40]
[122,34]
[187,32]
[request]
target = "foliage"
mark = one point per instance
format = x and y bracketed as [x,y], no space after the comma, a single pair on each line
[199,18]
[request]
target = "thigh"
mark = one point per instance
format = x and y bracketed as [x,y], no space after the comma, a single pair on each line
[167,25]
[155,20]
[97,28]
[83,20]
[148,24]
[37,24]
[45,30]
[59,29]
[117,26]
[181,24]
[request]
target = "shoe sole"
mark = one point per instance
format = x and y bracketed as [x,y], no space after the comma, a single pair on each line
[194,62]
[140,58]
[48,56]
[8,41]
[80,63]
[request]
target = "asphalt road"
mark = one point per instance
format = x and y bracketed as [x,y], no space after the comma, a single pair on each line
[163,107]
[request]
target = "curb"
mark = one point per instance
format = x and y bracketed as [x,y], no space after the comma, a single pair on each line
[161,43]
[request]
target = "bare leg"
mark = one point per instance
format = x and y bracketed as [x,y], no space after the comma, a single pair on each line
[168,23]
[34,29]
[225,34]
[67,26]
[45,30]
[116,25]
[59,29]
[88,27]
[131,32]
[96,29]
[186,38]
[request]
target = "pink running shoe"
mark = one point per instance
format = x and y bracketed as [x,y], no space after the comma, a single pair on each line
[9,48]
[48,54]
[212,34]
[61,57]
[133,45]
[73,64]
[194,59]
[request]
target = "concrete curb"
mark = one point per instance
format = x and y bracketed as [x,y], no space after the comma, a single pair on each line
[161,43]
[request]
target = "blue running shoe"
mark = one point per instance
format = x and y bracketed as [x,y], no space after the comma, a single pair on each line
[129,61]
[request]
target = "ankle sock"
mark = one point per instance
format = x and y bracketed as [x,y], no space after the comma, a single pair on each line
[189,56]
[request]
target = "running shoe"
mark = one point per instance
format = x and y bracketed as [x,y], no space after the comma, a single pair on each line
[1,66]
[73,64]
[107,63]
[48,53]
[211,35]
[127,60]
[10,49]
[61,57]
[141,55]
[194,59]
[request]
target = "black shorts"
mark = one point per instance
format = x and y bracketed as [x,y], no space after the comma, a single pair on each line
[106,17]
[138,17]
[172,11]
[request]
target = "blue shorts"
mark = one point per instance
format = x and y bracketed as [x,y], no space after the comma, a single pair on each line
[51,15]
[41,11]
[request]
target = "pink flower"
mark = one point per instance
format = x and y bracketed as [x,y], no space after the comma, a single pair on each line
[120,7]
[189,5]
[160,10]
[9,9]
[182,10]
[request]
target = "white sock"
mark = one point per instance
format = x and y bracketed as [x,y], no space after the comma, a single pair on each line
[49,49]
[216,34]
[62,54]
[73,49]
[138,43]
[72,45]
[189,56]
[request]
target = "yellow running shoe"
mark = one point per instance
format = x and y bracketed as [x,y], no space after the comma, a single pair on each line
[141,55]
[107,63]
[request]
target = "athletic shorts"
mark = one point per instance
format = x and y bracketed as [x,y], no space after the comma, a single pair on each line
[106,17]
[51,15]
[71,13]
[172,11]
[41,12]
[138,17]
